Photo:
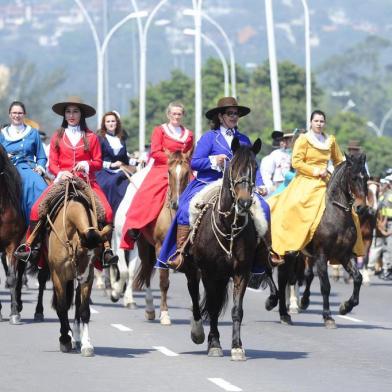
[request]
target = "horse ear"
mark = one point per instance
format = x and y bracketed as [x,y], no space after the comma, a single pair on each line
[348,159]
[257,146]
[235,144]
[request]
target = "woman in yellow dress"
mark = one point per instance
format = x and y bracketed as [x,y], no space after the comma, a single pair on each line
[297,211]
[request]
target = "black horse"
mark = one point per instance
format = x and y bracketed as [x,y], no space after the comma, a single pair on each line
[12,230]
[333,240]
[224,246]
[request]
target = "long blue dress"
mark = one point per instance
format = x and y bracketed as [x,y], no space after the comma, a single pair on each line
[114,183]
[26,151]
[211,143]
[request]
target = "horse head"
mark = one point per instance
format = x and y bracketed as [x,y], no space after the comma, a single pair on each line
[357,179]
[242,174]
[179,175]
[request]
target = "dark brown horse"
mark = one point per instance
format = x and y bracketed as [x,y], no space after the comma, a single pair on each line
[334,240]
[225,246]
[151,239]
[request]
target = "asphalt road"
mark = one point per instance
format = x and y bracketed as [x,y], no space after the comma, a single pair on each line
[132,354]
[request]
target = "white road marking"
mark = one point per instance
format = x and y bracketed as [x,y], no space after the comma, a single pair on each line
[93,311]
[250,289]
[225,385]
[165,351]
[351,319]
[121,327]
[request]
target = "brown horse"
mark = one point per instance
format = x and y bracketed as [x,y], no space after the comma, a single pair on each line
[151,239]
[73,241]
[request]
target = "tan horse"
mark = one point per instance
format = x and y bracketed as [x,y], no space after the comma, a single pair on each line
[72,243]
[151,239]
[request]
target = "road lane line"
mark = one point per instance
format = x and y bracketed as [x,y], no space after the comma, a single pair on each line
[93,311]
[351,319]
[165,351]
[220,382]
[121,327]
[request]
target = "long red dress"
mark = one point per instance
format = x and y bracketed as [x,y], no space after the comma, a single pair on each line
[66,156]
[149,199]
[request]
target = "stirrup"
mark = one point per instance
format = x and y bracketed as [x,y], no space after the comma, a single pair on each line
[275,259]
[23,252]
[176,264]
[108,258]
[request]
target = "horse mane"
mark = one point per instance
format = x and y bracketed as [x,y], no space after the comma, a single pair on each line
[10,182]
[175,156]
[336,177]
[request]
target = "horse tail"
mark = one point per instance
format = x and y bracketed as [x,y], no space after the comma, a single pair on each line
[215,298]
[146,268]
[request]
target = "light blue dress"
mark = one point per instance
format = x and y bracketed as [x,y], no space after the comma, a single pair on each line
[26,152]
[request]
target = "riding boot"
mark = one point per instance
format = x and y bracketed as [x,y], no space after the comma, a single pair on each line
[31,249]
[133,234]
[182,235]
[108,257]
[274,258]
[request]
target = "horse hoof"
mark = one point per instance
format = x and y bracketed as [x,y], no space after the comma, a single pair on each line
[66,347]
[39,317]
[150,315]
[87,351]
[165,318]
[114,298]
[270,303]
[330,323]
[286,320]
[76,345]
[238,354]
[131,305]
[294,309]
[197,332]
[215,352]
[15,319]
[303,304]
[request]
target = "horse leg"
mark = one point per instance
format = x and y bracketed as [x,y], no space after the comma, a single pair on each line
[352,269]
[99,282]
[12,280]
[43,275]
[164,284]
[309,275]
[325,286]
[237,312]
[87,349]
[76,324]
[133,259]
[283,272]
[273,298]
[117,279]
[62,300]
[197,330]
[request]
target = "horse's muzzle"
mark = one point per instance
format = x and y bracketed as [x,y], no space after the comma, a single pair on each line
[244,204]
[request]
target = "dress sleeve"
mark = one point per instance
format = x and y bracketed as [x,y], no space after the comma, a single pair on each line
[200,159]
[157,150]
[54,156]
[298,159]
[336,153]
[40,155]
[95,162]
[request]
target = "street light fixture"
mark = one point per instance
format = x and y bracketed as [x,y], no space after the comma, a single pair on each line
[143,30]
[100,51]
[220,55]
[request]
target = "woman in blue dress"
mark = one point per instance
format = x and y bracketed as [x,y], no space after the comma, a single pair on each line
[211,153]
[111,178]
[25,149]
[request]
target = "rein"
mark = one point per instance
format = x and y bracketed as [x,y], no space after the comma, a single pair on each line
[235,229]
[346,208]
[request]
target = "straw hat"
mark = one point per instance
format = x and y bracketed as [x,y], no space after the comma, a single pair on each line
[59,108]
[353,145]
[224,103]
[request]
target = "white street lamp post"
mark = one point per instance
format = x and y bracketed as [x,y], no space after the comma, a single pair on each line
[273,66]
[375,128]
[307,64]
[143,30]
[220,55]
[100,51]
[229,47]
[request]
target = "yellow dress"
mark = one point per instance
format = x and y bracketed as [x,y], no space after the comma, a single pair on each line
[296,212]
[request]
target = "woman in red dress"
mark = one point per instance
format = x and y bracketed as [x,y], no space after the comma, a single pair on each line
[74,151]
[149,199]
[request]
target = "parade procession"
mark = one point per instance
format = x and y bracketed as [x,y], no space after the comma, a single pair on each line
[161,224]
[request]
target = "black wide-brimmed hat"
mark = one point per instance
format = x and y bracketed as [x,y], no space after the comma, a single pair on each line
[224,103]
[59,108]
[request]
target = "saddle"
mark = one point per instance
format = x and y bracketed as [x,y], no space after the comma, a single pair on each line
[78,189]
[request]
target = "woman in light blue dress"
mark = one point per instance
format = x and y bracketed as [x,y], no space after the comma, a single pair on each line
[25,149]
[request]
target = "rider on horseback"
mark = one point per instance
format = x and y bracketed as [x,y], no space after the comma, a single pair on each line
[74,151]
[209,159]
